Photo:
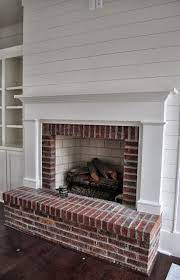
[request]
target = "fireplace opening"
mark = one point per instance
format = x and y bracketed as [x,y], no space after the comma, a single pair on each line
[90,167]
[98,161]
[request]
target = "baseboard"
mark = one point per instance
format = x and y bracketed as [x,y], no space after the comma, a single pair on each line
[149,207]
[169,243]
[30,183]
[165,252]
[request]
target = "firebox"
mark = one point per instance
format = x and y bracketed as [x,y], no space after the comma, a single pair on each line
[99,161]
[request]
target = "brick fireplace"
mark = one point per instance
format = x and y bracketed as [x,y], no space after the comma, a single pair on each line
[69,145]
[64,131]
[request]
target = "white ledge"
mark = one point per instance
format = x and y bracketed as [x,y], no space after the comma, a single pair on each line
[11,52]
[158,96]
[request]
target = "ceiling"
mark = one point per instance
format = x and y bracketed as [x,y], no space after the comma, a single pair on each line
[10,12]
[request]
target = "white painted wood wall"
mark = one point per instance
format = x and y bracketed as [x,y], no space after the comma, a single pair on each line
[11,36]
[126,46]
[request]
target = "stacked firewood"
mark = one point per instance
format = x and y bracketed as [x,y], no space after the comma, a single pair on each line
[97,173]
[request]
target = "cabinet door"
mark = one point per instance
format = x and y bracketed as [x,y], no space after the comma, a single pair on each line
[3,183]
[15,169]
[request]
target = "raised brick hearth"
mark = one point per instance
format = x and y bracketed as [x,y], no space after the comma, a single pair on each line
[104,229]
[129,135]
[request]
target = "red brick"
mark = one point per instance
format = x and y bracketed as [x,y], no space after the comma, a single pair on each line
[98,251]
[98,236]
[116,257]
[131,157]
[87,240]
[137,263]
[118,243]
[131,151]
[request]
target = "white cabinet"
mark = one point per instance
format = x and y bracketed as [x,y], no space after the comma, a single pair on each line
[11,170]
[15,169]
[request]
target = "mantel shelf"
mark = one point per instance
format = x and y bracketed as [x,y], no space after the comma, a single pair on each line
[156,96]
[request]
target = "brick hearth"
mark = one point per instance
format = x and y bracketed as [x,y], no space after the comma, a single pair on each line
[128,134]
[104,229]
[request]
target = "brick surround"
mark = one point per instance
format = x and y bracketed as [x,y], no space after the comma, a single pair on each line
[128,134]
[103,229]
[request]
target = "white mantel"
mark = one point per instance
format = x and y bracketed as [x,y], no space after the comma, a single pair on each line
[147,110]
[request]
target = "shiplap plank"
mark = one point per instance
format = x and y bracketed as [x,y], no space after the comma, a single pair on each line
[81,22]
[117,59]
[110,47]
[59,8]
[106,87]
[112,73]
[125,31]
[102,34]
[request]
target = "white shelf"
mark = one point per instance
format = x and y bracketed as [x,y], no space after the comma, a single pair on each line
[12,147]
[18,96]
[14,126]
[14,88]
[14,107]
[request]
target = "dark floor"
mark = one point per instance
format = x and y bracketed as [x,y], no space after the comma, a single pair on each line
[38,259]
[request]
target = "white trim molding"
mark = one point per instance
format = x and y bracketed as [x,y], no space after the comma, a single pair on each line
[113,97]
[31,183]
[149,206]
[169,243]
[11,52]
[145,109]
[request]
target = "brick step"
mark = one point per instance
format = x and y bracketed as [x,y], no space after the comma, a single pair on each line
[101,228]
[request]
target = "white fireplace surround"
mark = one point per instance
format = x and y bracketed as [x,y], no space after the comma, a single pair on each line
[146,110]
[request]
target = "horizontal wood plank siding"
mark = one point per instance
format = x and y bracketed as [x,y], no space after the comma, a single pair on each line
[125,46]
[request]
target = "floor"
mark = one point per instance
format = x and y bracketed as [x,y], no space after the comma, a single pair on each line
[25,258]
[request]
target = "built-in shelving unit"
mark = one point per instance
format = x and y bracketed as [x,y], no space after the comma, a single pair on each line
[11,109]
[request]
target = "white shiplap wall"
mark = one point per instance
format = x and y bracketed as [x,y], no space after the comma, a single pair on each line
[11,36]
[126,45]
[131,45]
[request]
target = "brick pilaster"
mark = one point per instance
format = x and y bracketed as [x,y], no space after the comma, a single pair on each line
[48,161]
[130,171]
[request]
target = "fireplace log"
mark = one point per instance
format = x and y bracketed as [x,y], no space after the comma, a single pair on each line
[109,183]
[106,170]
[93,171]
[81,180]
[79,171]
